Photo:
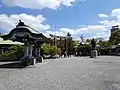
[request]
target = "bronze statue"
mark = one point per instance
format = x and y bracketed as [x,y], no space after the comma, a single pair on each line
[93,43]
[20,23]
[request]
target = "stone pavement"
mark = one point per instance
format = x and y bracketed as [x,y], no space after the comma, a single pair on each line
[75,73]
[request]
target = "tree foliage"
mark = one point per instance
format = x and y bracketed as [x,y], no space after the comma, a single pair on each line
[75,43]
[104,44]
[115,37]
[84,49]
[88,41]
[50,49]
[99,39]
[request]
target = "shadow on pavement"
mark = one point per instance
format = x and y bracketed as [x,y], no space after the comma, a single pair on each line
[9,60]
[103,62]
[14,65]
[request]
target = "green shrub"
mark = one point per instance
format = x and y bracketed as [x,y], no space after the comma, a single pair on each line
[50,50]
[14,50]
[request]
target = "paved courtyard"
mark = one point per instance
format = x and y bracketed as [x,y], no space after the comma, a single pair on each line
[75,73]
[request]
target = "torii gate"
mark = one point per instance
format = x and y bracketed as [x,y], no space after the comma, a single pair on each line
[67,42]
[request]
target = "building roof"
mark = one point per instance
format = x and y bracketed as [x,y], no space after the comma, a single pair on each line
[23,32]
[9,42]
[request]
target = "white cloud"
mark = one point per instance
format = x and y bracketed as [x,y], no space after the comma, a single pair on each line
[38,4]
[89,31]
[92,30]
[109,23]
[113,20]
[104,36]
[55,33]
[66,30]
[105,25]
[9,22]
[115,12]
[103,15]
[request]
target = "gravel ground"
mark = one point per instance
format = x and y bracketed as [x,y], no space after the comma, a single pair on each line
[75,73]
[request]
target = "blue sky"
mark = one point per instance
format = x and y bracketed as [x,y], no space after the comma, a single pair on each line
[92,18]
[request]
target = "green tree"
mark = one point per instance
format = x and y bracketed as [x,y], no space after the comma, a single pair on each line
[115,37]
[88,41]
[99,39]
[104,44]
[46,49]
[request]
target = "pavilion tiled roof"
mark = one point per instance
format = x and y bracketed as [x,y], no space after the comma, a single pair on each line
[23,32]
[9,42]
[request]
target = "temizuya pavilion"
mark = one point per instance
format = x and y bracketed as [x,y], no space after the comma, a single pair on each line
[32,41]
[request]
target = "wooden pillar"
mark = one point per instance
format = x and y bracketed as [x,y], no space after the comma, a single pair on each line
[65,44]
[54,41]
[24,60]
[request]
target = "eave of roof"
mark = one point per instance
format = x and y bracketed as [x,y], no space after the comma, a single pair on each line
[9,42]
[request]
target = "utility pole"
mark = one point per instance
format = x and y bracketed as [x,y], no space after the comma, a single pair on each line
[55,37]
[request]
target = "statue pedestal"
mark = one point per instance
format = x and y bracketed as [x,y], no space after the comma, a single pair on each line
[93,54]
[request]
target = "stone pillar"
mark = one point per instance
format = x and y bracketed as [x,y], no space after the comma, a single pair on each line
[26,49]
[35,50]
[28,58]
[39,52]
[24,60]
[32,60]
